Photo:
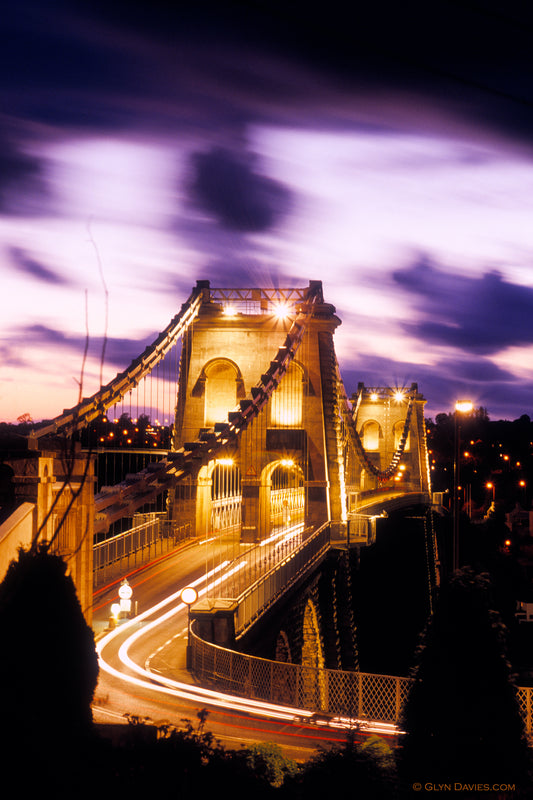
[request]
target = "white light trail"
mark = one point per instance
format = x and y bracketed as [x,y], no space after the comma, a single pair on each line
[287,533]
[198,694]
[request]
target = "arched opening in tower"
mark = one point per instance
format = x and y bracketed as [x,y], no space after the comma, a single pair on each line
[313,689]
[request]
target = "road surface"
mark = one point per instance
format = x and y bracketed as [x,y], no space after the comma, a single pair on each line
[143,662]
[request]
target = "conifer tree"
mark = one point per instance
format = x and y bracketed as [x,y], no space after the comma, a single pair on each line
[462,720]
[48,669]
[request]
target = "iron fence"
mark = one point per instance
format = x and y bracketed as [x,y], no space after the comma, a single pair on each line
[525,703]
[333,692]
[358,695]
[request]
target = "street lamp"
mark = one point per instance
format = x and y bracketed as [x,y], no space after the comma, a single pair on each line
[188,596]
[461,407]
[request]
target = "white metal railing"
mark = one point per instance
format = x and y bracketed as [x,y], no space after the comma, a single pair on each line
[265,570]
[154,534]
[277,571]
[287,505]
[226,513]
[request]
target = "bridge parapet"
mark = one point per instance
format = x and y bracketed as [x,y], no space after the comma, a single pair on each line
[259,584]
[362,697]
[357,695]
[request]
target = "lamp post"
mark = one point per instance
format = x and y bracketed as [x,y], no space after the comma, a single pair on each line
[461,407]
[188,596]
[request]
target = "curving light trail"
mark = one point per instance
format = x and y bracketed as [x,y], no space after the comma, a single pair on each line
[149,680]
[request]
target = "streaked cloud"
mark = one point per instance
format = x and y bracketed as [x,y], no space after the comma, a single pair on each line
[260,148]
[230,187]
[30,267]
[479,314]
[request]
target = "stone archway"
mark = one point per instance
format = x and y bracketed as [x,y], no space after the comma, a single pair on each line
[313,688]
[283,648]
[218,506]
[281,495]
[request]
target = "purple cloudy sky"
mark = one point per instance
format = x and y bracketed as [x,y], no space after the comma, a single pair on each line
[388,154]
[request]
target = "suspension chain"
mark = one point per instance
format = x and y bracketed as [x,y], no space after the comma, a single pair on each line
[350,420]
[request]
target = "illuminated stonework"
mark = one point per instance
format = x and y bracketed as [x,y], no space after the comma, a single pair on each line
[223,358]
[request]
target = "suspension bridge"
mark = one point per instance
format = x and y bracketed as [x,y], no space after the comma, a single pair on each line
[265,451]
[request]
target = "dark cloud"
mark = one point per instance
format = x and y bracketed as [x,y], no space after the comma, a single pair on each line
[475,57]
[34,269]
[129,64]
[230,187]
[119,352]
[42,334]
[22,181]
[487,385]
[10,356]
[480,315]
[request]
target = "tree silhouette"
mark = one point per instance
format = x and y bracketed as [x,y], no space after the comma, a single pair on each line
[462,719]
[48,670]
[358,770]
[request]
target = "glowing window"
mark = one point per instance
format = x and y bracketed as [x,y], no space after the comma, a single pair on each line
[287,400]
[398,431]
[371,436]
[220,391]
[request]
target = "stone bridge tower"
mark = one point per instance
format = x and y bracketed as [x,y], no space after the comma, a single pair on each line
[391,428]
[286,464]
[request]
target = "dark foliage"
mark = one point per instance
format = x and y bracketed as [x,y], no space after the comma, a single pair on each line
[356,770]
[462,719]
[48,672]
[148,761]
